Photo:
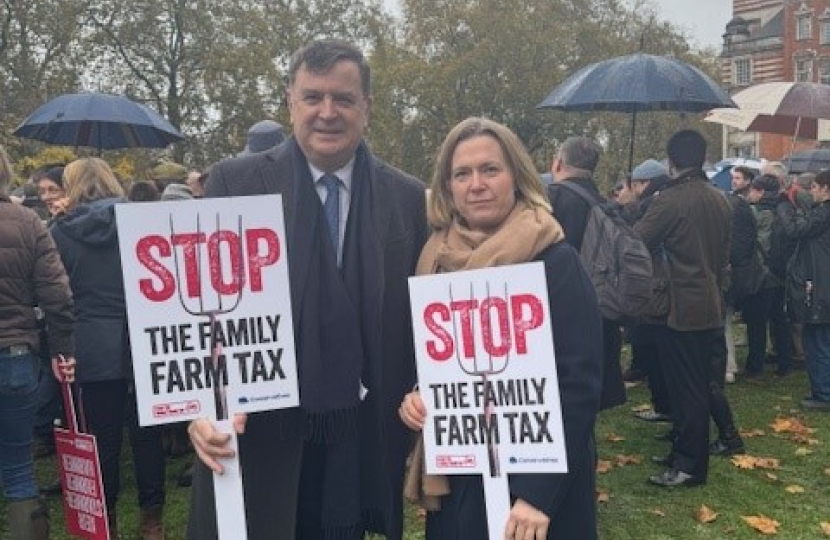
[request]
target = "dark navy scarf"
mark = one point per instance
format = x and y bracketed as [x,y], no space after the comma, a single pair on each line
[336,325]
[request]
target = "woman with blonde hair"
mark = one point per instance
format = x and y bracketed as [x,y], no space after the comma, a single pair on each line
[30,273]
[488,208]
[88,243]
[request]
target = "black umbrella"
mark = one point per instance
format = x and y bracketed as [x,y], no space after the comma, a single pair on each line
[101,121]
[635,83]
[814,160]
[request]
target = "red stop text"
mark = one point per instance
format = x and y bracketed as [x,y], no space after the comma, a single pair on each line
[497,324]
[245,257]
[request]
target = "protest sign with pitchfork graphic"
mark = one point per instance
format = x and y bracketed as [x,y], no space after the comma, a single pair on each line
[487,376]
[209,310]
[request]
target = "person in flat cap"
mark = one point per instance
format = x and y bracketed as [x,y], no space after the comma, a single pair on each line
[262,136]
[647,178]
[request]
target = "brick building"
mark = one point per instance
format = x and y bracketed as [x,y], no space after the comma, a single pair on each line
[769,41]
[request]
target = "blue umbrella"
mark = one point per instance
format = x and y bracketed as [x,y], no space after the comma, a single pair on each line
[636,83]
[101,121]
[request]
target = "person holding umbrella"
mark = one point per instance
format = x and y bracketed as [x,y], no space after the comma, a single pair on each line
[575,161]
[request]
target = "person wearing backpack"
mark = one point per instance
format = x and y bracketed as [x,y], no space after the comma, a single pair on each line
[692,221]
[575,162]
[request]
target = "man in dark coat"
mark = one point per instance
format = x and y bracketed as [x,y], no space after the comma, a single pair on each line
[333,467]
[575,161]
[692,220]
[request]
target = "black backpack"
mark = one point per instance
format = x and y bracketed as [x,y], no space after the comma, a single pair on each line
[616,259]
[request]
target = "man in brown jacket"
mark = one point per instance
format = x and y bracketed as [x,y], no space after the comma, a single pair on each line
[31,273]
[692,220]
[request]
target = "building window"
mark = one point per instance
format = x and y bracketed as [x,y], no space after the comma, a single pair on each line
[742,71]
[804,70]
[803,27]
[824,71]
[825,33]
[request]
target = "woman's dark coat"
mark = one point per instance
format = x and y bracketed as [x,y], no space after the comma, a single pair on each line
[568,499]
[87,240]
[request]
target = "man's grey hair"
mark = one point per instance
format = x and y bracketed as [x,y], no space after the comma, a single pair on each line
[580,154]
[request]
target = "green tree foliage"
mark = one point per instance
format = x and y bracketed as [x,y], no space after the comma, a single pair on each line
[37,60]
[500,59]
[214,67]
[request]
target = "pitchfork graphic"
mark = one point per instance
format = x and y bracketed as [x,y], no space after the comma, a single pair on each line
[229,495]
[496,490]
[217,363]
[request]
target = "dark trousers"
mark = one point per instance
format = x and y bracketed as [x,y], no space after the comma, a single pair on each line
[645,351]
[719,404]
[759,311]
[613,386]
[687,359]
[105,405]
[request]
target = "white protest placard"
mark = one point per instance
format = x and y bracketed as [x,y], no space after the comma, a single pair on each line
[487,375]
[209,310]
[209,307]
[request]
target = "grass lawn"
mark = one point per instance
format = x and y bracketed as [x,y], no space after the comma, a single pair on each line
[794,491]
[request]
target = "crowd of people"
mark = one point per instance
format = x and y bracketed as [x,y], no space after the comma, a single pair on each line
[357,229]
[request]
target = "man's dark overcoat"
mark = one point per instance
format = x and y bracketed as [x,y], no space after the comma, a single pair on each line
[271,448]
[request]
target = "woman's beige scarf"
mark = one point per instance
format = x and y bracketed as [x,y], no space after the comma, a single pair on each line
[525,232]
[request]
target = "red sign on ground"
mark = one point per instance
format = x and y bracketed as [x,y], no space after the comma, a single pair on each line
[84,505]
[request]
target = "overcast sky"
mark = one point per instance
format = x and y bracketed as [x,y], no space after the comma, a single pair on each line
[703,20]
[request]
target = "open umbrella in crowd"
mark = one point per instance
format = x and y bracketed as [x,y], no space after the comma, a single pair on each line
[799,109]
[814,160]
[101,121]
[637,83]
